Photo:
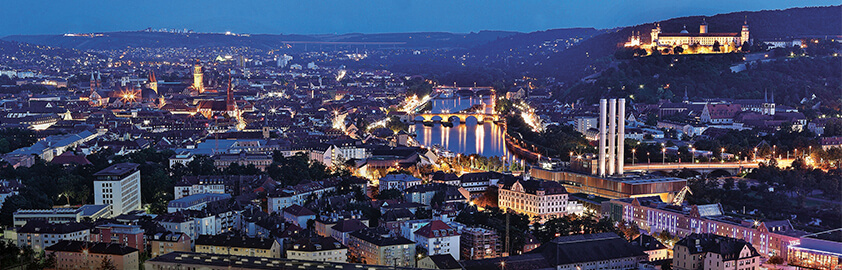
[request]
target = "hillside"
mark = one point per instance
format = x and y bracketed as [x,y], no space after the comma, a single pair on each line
[118,40]
[21,55]
[790,80]
[595,54]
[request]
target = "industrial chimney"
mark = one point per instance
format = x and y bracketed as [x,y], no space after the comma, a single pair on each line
[601,147]
[612,127]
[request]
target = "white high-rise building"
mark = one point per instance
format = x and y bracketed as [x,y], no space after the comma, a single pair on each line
[583,123]
[283,60]
[118,186]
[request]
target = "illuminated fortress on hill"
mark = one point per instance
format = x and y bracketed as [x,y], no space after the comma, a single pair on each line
[701,42]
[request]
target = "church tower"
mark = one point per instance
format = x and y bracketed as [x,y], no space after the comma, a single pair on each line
[654,35]
[198,80]
[744,32]
[703,28]
[98,80]
[93,82]
[230,105]
[768,105]
[153,83]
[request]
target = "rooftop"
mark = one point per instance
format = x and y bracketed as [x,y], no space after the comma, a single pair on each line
[95,248]
[40,226]
[244,262]
[118,169]
[381,237]
[235,240]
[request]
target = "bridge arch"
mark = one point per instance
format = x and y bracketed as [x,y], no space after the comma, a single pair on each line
[472,118]
[719,173]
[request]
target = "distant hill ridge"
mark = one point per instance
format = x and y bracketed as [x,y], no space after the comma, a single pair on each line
[117,40]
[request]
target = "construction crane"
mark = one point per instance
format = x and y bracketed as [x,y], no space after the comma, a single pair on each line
[679,199]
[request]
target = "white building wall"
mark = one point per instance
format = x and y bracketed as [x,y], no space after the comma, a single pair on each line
[122,195]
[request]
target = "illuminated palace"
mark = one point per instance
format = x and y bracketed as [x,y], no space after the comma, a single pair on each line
[685,39]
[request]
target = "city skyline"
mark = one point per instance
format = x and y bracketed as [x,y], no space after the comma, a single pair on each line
[265,17]
[220,134]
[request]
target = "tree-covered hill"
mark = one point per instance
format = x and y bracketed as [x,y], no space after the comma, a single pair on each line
[648,79]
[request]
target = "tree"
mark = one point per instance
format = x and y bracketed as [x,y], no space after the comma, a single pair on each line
[678,49]
[742,185]
[106,264]
[666,265]
[630,231]
[502,106]
[390,194]
[394,123]
[729,184]
[716,46]
[775,260]
[833,127]
[651,119]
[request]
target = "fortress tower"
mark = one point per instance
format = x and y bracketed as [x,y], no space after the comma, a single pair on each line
[655,32]
[744,33]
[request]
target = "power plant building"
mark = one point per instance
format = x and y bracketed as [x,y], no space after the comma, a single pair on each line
[602,174]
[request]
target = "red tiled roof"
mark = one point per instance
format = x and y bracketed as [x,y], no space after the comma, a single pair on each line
[435,229]
[70,158]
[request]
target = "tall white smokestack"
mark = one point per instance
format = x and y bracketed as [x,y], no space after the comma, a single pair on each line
[601,147]
[612,135]
[621,136]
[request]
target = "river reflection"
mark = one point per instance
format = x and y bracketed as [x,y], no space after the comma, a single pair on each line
[486,139]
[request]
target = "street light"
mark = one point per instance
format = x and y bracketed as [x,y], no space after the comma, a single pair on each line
[634,150]
[664,155]
[755,153]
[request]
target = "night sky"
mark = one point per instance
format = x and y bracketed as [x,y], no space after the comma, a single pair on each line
[323,16]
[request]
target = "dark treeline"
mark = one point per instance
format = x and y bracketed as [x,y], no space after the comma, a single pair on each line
[648,79]
[554,141]
[46,184]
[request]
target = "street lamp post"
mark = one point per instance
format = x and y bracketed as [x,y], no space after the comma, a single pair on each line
[664,155]
[693,152]
[633,155]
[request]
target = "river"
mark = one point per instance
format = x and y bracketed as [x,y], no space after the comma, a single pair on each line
[486,139]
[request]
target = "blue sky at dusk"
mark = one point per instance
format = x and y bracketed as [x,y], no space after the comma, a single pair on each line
[319,17]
